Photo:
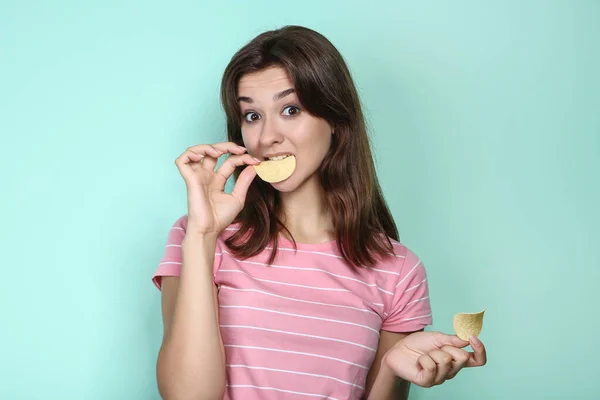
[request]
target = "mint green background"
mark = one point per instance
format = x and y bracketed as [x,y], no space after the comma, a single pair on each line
[486,123]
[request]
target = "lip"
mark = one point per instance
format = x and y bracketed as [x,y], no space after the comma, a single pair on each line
[281,153]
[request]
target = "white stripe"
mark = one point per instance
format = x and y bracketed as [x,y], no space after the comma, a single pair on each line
[395,243]
[420,316]
[306,251]
[416,286]
[336,256]
[396,255]
[295,373]
[178,228]
[173,245]
[296,352]
[409,272]
[282,283]
[298,334]
[179,263]
[231,229]
[312,269]
[417,300]
[414,301]
[303,316]
[281,390]
[384,271]
[325,254]
[302,301]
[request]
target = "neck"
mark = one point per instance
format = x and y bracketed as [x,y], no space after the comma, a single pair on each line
[306,215]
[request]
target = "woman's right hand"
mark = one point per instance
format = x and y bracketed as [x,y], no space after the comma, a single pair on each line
[210,209]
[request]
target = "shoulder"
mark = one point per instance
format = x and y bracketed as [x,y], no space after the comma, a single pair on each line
[407,257]
[404,263]
[408,309]
[172,257]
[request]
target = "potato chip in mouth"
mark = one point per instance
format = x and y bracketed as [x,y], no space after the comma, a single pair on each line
[276,170]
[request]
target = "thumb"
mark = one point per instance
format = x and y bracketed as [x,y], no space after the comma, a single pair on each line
[243,183]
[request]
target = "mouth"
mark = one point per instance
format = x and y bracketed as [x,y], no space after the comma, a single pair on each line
[278,157]
[276,168]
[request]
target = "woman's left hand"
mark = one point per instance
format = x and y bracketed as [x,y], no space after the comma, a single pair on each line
[430,358]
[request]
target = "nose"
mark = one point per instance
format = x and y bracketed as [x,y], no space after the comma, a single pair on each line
[270,134]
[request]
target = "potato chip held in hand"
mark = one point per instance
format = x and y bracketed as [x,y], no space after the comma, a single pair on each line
[467,324]
[276,170]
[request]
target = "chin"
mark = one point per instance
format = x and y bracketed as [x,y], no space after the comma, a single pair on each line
[294,182]
[288,185]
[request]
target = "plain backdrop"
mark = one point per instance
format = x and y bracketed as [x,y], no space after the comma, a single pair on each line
[485,119]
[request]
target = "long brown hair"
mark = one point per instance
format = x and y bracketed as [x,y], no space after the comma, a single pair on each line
[361,217]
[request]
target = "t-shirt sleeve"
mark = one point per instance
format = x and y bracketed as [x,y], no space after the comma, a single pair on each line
[409,309]
[172,259]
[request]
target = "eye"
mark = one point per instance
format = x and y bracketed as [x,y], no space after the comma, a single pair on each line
[251,116]
[290,111]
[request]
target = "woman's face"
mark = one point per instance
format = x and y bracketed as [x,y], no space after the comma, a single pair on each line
[274,123]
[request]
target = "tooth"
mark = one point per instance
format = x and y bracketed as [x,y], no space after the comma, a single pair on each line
[277,158]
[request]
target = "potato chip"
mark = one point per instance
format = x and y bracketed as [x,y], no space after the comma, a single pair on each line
[276,170]
[467,324]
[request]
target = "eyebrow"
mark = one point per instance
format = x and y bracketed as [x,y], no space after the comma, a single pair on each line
[277,96]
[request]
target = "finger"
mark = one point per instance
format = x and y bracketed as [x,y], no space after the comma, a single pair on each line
[460,358]
[428,369]
[188,162]
[209,163]
[240,190]
[226,169]
[443,339]
[479,355]
[230,147]
[215,151]
[193,156]
[225,147]
[444,364]
[208,153]
[205,150]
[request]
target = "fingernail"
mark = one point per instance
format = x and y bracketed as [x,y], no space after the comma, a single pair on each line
[242,148]
[256,159]
[475,340]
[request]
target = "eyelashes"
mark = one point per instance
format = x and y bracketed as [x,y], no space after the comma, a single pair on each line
[288,112]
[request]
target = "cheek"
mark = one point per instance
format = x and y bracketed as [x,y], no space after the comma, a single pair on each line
[247,139]
[250,142]
[318,141]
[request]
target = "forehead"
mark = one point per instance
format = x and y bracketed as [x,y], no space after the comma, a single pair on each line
[268,81]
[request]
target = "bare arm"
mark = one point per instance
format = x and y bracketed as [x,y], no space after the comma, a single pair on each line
[382,382]
[191,361]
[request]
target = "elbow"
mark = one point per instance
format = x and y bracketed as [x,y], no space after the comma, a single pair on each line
[178,381]
[182,393]
[179,389]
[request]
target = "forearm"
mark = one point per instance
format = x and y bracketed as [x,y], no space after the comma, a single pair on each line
[191,362]
[388,386]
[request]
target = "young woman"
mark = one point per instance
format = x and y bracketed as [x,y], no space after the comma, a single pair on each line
[297,288]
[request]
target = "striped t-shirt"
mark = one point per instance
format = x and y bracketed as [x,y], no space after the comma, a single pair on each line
[306,326]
